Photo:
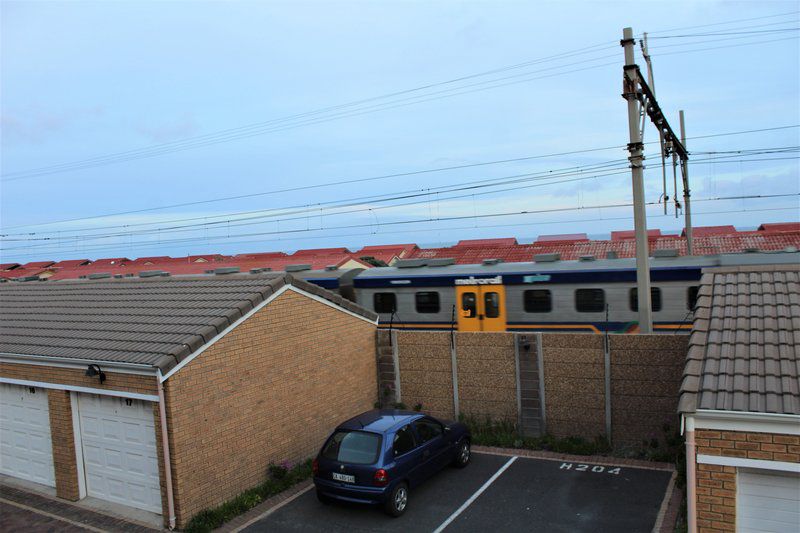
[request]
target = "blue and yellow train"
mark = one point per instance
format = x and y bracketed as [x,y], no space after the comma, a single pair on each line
[588,295]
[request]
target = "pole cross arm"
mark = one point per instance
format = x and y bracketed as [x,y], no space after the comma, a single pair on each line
[657,116]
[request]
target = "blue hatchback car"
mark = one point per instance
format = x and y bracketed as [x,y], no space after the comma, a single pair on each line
[377,457]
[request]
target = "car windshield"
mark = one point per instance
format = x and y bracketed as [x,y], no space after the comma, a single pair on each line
[355,447]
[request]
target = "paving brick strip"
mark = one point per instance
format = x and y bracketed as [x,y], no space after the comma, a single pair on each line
[48,510]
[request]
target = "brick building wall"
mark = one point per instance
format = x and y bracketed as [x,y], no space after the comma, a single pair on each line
[716,485]
[142,384]
[271,390]
[63,440]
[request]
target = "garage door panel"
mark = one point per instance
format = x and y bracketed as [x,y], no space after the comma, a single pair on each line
[26,449]
[768,501]
[120,453]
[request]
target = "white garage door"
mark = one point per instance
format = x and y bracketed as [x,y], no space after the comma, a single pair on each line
[119,451]
[26,450]
[768,501]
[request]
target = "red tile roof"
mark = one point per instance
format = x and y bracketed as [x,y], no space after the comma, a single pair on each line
[567,237]
[69,263]
[631,234]
[37,264]
[8,266]
[321,251]
[705,231]
[110,261]
[780,226]
[506,241]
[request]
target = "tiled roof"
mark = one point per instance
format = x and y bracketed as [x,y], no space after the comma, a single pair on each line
[566,237]
[8,266]
[780,226]
[69,263]
[37,264]
[744,350]
[321,251]
[705,231]
[631,234]
[507,241]
[153,321]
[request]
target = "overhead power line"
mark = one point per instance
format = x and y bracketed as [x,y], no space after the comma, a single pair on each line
[208,239]
[350,181]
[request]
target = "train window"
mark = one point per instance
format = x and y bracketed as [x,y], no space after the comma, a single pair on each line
[590,300]
[491,304]
[468,305]
[384,302]
[691,297]
[538,301]
[655,299]
[427,302]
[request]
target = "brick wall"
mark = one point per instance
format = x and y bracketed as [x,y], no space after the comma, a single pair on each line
[63,439]
[487,382]
[426,373]
[269,391]
[142,384]
[716,485]
[716,498]
[574,384]
[646,372]
[645,379]
[767,446]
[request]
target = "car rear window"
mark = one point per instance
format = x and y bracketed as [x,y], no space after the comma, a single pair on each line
[355,447]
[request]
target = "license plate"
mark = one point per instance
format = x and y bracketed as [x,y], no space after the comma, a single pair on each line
[343,477]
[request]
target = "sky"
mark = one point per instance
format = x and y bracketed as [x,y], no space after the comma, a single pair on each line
[133,129]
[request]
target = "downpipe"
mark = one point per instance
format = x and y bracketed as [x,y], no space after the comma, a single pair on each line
[162,410]
[691,477]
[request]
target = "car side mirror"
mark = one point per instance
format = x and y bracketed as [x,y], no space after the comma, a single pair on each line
[447,429]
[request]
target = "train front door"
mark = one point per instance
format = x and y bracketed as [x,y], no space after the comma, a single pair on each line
[481,307]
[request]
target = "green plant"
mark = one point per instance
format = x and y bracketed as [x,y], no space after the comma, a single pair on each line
[209,519]
[418,407]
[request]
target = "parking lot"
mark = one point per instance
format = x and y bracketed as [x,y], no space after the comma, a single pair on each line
[499,493]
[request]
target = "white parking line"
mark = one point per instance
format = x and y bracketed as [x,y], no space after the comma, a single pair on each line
[474,496]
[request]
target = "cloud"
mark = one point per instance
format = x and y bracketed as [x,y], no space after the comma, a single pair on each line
[35,124]
[183,126]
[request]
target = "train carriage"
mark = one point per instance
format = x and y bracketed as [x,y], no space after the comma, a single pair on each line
[590,295]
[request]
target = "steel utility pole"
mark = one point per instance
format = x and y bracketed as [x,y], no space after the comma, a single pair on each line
[651,83]
[687,211]
[636,114]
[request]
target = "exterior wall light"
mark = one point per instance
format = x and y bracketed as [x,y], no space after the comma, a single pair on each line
[94,370]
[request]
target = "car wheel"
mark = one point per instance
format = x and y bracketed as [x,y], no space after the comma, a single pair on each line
[323,498]
[397,502]
[464,454]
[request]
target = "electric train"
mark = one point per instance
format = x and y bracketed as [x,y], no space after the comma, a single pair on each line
[588,295]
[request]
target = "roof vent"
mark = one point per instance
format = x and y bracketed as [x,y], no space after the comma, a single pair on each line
[546,258]
[28,278]
[666,252]
[297,268]
[611,254]
[411,263]
[586,258]
[492,261]
[260,270]
[444,261]
[790,249]
[118,276]
[82,276]
[151,273]
[226,270]
[99,275]
[331,267]
[751,250]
